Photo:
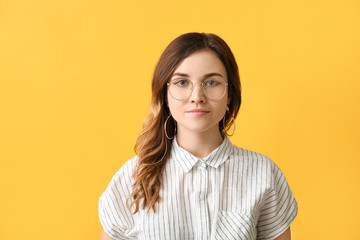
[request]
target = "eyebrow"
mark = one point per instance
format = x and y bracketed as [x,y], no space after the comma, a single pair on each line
[206,75]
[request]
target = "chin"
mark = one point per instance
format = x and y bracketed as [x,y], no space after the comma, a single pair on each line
[201,129]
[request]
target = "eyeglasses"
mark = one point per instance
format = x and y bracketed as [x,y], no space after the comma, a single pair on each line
[181,89]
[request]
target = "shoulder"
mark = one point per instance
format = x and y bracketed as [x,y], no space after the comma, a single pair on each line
[256,165]
[120,186]
[251,158]
[127,168]
[122,179]
[121,182]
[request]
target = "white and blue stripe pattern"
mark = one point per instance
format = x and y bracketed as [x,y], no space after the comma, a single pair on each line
[231,194]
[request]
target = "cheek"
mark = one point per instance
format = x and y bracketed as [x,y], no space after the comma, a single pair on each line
[224,103]
[173,105]
[222,111]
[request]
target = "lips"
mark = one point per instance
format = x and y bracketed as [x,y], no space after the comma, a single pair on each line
[198,112]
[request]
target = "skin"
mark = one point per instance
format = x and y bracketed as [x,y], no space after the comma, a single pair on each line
[104,236]
[198,132]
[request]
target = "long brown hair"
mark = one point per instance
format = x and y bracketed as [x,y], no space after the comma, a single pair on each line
[152,146]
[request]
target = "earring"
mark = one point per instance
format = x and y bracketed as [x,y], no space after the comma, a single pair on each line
[233,122]
[165,128]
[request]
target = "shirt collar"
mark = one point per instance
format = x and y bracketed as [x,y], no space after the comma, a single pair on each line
[187,161]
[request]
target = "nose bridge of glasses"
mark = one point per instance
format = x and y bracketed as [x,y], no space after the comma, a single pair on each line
[201,86]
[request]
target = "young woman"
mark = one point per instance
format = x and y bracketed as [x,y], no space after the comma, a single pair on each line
[187,180]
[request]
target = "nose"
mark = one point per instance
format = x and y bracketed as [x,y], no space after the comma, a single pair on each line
[197,95]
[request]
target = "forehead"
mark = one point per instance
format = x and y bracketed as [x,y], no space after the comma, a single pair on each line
[201,63]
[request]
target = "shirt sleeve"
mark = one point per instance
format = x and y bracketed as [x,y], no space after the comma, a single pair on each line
[278,209]
[114,214]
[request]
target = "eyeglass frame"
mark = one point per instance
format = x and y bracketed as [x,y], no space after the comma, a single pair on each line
[202,88]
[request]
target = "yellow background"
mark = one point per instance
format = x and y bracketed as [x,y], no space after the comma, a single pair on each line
[75,87]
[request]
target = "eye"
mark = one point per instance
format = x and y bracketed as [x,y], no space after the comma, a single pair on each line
[211,83]
[180,82]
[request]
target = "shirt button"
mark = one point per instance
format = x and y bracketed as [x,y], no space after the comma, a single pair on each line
[201,196]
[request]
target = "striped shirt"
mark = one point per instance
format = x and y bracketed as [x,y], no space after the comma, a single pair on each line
[231,194]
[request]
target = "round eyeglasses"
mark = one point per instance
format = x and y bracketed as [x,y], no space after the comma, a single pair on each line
[182,89]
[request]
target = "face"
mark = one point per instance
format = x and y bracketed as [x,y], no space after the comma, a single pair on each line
[197,112]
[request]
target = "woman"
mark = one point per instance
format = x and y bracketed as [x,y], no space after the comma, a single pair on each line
[187,180]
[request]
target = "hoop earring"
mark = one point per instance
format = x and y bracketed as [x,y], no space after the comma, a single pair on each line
[165,128]
[233,122]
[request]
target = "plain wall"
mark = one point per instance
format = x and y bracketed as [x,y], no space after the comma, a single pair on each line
[75,87]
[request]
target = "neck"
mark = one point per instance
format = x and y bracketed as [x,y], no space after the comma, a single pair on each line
[199,144]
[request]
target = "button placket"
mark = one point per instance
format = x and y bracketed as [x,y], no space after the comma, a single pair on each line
[203,180]
[203,210]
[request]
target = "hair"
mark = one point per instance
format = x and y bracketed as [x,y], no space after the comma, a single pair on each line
[152,146]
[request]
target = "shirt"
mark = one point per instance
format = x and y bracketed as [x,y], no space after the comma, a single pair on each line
[233,193]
